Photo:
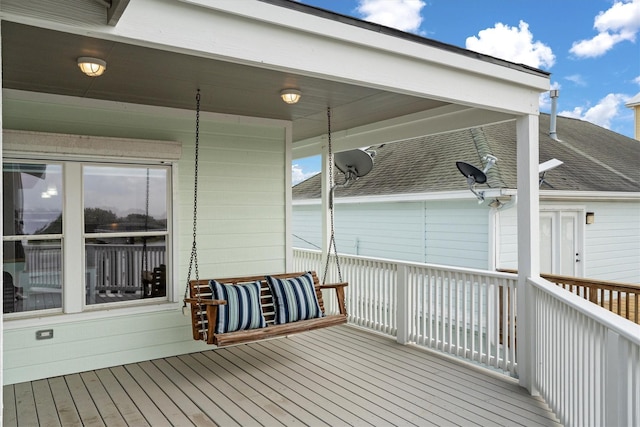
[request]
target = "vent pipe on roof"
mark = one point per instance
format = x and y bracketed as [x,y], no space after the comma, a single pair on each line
[553,94]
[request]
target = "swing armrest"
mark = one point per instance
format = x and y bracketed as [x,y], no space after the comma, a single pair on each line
[334,285]
[339,287]
[205,301]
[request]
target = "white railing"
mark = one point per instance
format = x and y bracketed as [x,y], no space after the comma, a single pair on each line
[119,266]
[463,312]
[587,362]
[109,266]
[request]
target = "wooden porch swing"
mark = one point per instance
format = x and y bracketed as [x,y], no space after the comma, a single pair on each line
[238,310]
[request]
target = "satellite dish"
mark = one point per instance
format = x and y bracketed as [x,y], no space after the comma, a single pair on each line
[472,173]
[354,163]
[476,176]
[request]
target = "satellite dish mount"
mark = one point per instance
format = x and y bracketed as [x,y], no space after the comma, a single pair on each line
[476,176]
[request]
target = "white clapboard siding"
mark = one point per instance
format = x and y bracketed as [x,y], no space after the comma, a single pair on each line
[241,229]
[441,232]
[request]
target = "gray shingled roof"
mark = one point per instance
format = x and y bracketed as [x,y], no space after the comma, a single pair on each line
[595,159]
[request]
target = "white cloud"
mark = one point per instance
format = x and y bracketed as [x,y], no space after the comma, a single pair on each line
[514,44]
[601,113]
[637,80]
[577,79]
[298,175]
[619,23]
[403,15]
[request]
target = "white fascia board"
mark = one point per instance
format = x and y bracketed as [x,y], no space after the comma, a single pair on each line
[273,37]
[326,28]
[550,195]
[431,122]
[590,195]
[325,48]
[407,197]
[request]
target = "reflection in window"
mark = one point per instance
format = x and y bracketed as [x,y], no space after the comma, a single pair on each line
[32,263]
[125,217]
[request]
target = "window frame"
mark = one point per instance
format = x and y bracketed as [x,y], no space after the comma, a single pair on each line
[47,148]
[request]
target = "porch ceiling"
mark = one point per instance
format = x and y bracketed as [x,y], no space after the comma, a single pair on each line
[43,60]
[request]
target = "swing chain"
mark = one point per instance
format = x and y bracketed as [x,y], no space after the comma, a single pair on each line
[332,240]
[193,261]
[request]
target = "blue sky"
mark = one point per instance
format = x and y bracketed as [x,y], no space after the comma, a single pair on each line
[590,47]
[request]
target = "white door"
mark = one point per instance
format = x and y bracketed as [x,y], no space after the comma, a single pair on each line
[561,243]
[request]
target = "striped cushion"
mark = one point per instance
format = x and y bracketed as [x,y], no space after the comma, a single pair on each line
[242,310]
[294,299]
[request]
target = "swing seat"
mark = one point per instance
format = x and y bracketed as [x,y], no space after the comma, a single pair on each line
[204,311]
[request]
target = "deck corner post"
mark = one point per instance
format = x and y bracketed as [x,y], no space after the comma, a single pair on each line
[527,128]
[404,304]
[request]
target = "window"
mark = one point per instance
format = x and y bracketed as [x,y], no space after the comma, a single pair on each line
[32,236]
[106,241]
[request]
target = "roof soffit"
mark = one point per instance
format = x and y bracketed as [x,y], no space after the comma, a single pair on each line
[208,50]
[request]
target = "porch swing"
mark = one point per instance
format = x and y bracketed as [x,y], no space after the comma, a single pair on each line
[237,310]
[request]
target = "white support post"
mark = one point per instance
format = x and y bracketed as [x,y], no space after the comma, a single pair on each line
[528,246]
[404,304]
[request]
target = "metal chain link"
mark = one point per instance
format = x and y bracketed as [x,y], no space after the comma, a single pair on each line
[193,261]
[332,240]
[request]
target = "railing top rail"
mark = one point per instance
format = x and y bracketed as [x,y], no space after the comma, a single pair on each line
[621,326]
[453,269]
[585,281]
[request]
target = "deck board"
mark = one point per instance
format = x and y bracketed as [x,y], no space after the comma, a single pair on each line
[87,409]
[176,406]
[382,373]
[330,377]
[104,404]
[25,404]
[142,392]
[127,409]
[10,414]
[283,386]
[65,407]
[45,405]
[240,391]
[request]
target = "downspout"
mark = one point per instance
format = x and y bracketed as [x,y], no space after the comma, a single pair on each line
[553,94]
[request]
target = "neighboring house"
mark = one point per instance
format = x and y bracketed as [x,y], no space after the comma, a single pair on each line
[634,103]
[415,205]
[98,172]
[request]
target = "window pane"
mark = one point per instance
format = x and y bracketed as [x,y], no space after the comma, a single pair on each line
[122,269]
[32,199]
[124,199]
[31,205]
[35,281]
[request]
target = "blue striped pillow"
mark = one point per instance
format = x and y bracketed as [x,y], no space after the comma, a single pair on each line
[294,299]
[242,310]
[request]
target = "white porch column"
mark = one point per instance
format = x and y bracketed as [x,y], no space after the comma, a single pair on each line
[528,245]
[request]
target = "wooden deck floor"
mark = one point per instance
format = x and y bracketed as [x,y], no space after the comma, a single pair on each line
[338,376]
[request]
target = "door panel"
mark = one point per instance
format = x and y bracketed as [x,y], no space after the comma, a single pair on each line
[560,243]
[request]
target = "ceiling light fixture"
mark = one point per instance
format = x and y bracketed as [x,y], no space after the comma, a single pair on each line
[290,96]
[92,67]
